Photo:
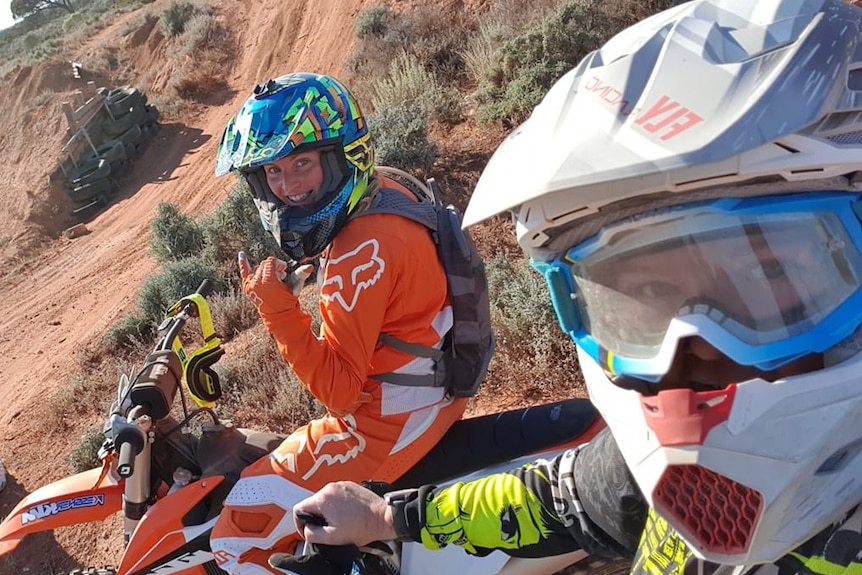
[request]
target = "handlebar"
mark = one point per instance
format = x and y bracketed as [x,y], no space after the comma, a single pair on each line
[152,390]
[178,320]
[126,462]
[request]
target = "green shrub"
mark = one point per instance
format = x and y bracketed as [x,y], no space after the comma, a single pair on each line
[74,21]
[198,32]
[529,339]
[232,314]
[31,40]
[369,61]
[483,48]
[531,62]
[132,331]
[175,235]
[173,18]
[85,455]
[428,34]
[261,391]
[410,82]
[175,280]
[401,137]
[374,21]
[236,226]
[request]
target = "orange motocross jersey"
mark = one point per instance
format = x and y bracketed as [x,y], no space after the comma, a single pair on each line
[380,275]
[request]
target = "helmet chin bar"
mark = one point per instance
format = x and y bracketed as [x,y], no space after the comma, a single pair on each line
[708,507]
[747,473]
[716,511]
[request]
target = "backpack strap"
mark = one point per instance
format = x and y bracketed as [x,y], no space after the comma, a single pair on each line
[391,201]
[422,211]
[435,379]
[411,348]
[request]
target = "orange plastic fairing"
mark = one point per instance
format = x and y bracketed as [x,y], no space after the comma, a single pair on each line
[81,498]
[161,543]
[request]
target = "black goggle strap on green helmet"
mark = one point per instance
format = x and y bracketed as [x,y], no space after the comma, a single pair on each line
[201,380]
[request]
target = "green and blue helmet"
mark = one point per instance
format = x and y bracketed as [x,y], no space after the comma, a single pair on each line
[299,112]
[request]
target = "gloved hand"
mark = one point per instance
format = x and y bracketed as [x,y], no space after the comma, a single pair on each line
[269,287]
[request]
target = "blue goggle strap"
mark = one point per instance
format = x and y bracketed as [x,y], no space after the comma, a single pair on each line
[562,296]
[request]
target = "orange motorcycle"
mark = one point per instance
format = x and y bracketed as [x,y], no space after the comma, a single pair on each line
[169,482]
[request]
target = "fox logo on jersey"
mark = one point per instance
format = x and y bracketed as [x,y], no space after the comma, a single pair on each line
[359,269]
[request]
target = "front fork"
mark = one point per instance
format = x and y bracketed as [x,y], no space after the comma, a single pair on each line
[136,494]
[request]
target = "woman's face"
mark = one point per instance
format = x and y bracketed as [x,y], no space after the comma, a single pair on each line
[297,178]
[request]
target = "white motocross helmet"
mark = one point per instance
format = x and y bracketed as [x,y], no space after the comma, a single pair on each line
[696,179]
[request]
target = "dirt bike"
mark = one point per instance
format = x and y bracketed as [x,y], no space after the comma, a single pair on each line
[169,483]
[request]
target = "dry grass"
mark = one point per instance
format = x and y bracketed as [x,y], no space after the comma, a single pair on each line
[201,54]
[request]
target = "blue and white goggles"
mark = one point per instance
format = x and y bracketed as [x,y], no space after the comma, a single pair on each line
[764,280]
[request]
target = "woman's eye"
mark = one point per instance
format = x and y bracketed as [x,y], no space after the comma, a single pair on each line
[272,170]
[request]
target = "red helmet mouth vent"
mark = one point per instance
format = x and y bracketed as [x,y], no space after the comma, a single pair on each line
[719,513]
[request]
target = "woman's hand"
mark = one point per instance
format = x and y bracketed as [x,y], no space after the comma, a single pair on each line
[269,287]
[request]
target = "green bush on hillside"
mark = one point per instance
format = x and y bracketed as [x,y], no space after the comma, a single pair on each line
[527,331]
[175,280]
[236,226]
[85,455]
[74,21]
[422,34]
[173,18]
[374,22]
[410,82]
[531,62]
[129,334]
[401,137]
[262,391]
[176,236]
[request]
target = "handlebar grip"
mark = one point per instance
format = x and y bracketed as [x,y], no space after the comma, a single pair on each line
[126,462]
[206,288]
[130,441]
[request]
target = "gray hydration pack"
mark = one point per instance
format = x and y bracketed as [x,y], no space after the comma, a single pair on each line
[462,361]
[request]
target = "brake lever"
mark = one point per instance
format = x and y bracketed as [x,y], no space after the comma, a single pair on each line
[310,518]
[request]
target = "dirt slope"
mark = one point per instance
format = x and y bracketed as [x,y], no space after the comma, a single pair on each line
[60,294]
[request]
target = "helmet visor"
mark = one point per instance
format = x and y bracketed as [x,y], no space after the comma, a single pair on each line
[756,277]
